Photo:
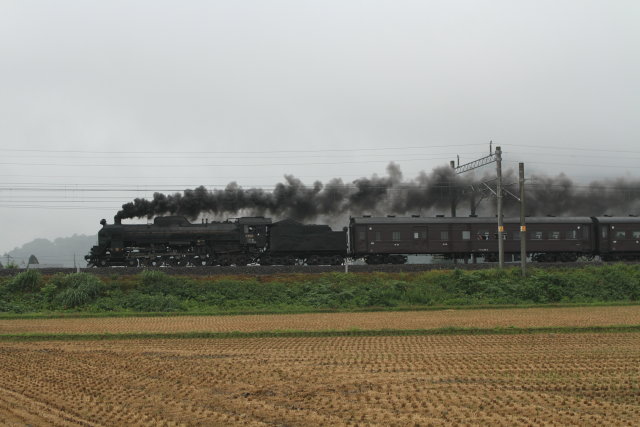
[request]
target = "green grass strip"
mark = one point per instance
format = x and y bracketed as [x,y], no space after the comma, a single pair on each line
[286,311]
[324,333]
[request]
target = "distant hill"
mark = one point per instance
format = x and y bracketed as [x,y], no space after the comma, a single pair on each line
[60,251]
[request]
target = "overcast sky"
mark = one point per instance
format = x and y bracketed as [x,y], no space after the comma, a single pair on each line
[143,96]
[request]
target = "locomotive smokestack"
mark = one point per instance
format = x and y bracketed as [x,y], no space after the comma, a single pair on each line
[103,222]
[117,220]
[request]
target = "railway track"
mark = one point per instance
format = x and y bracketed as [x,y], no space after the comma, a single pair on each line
[298,269]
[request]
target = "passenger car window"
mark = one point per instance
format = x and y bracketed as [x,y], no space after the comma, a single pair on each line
[483,235]
[466,235]
[416,234]
[378,235]
[361,235]
[537,235]
[554,235]
[636,234]
[444,235]
[572,234]
[621,234]
[395,236]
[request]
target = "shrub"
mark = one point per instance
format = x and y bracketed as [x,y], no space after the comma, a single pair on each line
[152,281]
[152,303]
[78,289]
[48,291]
[27,281]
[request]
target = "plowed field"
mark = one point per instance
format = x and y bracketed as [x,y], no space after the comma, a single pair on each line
[529,317]
[568,379]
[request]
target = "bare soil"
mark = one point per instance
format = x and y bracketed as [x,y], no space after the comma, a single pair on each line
[566,379]
[487,318]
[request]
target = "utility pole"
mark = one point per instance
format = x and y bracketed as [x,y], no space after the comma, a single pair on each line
[452,191]
[523,227]
[500,218]
[346,259]
[497,158]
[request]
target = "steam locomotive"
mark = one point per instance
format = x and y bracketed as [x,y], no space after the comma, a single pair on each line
[173,240]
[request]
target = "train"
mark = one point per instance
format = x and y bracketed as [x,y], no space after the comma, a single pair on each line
[175,241]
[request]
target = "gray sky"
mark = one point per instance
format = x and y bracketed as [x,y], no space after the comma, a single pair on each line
[141,96]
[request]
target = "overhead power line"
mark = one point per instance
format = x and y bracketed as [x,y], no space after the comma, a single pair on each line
[534,181]
[190,165]
[251,155]
[565,164]
[562,146]
[37,150]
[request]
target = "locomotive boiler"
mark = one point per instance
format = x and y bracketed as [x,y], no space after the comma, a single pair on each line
[173,240]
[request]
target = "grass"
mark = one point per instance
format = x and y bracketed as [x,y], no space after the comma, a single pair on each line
[293,310]
[321,334]
[156,293]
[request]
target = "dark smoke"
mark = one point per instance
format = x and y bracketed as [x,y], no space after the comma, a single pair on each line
[426,194]
[559,195]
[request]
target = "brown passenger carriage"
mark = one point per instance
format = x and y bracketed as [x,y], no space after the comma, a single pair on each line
[388,239]
[618,237]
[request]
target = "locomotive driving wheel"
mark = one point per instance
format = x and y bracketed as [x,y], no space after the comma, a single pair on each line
[336,260]
[313,260]
[241,260]
[199,261]
[180,261]
[266,260]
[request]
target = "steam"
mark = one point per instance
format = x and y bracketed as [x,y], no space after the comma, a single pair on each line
[559,195]
[428,193]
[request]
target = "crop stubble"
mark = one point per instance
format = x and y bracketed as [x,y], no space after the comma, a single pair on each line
[569,379]
[486,318]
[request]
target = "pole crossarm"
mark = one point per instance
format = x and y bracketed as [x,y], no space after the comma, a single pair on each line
[490,189]
[491,158]
[511,194]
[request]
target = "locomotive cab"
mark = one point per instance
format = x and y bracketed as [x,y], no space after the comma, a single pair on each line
[254,231]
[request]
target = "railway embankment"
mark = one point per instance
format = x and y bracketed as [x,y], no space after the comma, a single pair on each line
[151,291]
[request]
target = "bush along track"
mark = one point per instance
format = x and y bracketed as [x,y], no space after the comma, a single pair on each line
[157,292]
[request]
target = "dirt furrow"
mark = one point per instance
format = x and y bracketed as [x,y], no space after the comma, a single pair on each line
[486,318]
[566,379]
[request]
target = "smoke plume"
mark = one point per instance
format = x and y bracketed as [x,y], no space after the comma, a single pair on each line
[559,195]
[427,194]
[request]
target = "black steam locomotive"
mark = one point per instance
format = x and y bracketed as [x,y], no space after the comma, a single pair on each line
[175,241]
